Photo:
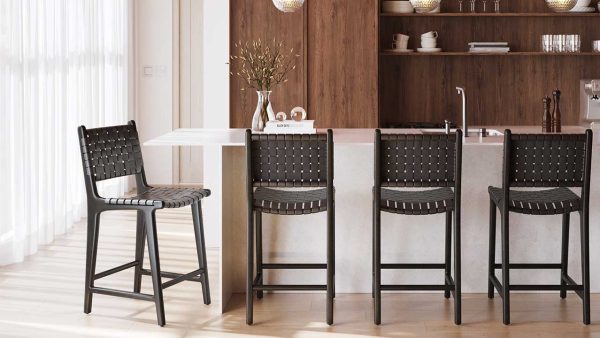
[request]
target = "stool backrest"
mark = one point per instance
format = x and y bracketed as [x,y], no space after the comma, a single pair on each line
[289,160]
[546,160]
[110,152]
[409,160]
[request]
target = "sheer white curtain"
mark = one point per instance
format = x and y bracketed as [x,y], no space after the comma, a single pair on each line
[63,63]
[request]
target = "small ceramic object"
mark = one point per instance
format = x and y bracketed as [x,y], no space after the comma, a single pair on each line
[281,116]
[298,114]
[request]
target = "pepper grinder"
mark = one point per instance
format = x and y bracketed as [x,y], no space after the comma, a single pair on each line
[556,115]
[547,117]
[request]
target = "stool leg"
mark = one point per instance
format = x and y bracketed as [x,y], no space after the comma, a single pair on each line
[140,237]
[457,269]
[333,262]
[150,222]
[373,253]
[330,262]
[259,252]
[250,268]
[377,262]
[564,256]
[201,249]
[93,230]
[492,247]
[505,268]
[585,265]
[448,251]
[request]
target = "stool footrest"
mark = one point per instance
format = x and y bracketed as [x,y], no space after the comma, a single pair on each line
[544,287]
[567,279]
[182,278]
[417,287]
[530,266]
[120,293]
[290,287]
[570,285]
[115,270]
[302,266]
[413,266]
[496,284]
[175,275]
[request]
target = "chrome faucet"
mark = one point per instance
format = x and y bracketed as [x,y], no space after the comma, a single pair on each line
[461,91]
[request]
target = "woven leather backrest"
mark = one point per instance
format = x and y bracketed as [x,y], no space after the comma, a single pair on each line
[417,160]
[289,160]
[547,160]
[111,152]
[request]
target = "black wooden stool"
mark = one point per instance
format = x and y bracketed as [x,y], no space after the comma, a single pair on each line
[414,161]
[558,161]
[115,152]
[288,161]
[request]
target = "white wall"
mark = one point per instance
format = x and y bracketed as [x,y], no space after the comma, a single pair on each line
[216,106]
[191,85]
[154,93]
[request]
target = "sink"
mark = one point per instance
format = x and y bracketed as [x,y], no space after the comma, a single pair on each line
[472,132]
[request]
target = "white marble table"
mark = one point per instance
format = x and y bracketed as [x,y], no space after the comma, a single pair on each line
[406,238]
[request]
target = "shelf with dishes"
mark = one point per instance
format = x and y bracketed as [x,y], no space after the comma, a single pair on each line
[441,53]
[446,15]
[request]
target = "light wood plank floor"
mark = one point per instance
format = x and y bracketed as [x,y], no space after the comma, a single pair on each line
[43,297]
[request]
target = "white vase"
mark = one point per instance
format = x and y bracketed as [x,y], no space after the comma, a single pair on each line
[264,111]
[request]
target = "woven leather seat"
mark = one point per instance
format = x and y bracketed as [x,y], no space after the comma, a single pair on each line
[286,202]
[163,197]
[425,202]
[542,202]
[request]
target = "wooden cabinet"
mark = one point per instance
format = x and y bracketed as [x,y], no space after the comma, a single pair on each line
[337,75]
[345,78]
[503,89]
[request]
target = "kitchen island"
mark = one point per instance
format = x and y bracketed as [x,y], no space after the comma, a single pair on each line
[405,239]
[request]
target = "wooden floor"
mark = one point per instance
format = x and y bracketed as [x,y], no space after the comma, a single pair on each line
[43,297]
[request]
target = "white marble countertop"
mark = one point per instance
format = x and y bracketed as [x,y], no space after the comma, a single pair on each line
[235,137]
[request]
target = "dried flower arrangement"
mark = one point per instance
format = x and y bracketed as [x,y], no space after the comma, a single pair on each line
[263,66]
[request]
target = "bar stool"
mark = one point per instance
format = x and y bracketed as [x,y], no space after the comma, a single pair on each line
[288,161]
[415,161]
[113,152]
[556,161]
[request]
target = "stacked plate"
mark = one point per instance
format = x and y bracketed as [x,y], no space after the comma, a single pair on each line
[582,6]
[397,7]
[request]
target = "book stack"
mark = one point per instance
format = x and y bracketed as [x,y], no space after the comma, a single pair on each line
[291,127]
[489,47]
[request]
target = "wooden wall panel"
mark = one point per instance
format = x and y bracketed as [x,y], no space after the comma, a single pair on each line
[259,19]
[342,63]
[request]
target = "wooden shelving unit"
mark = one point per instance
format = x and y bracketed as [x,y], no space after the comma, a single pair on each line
[502,88]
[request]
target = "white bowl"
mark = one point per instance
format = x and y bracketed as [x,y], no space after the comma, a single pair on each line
[397,7]
[583,3]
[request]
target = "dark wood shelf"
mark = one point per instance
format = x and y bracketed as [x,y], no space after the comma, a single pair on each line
[445,15]
[490,54]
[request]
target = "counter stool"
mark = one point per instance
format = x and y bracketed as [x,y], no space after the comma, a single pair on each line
[115,152]
[417,161]
[556,161]
[288,161]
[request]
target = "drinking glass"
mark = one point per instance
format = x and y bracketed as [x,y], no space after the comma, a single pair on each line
[484,5]
[460,6]
[497,6]
[547,43]
[559,43]
[473,6]
[573,43]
